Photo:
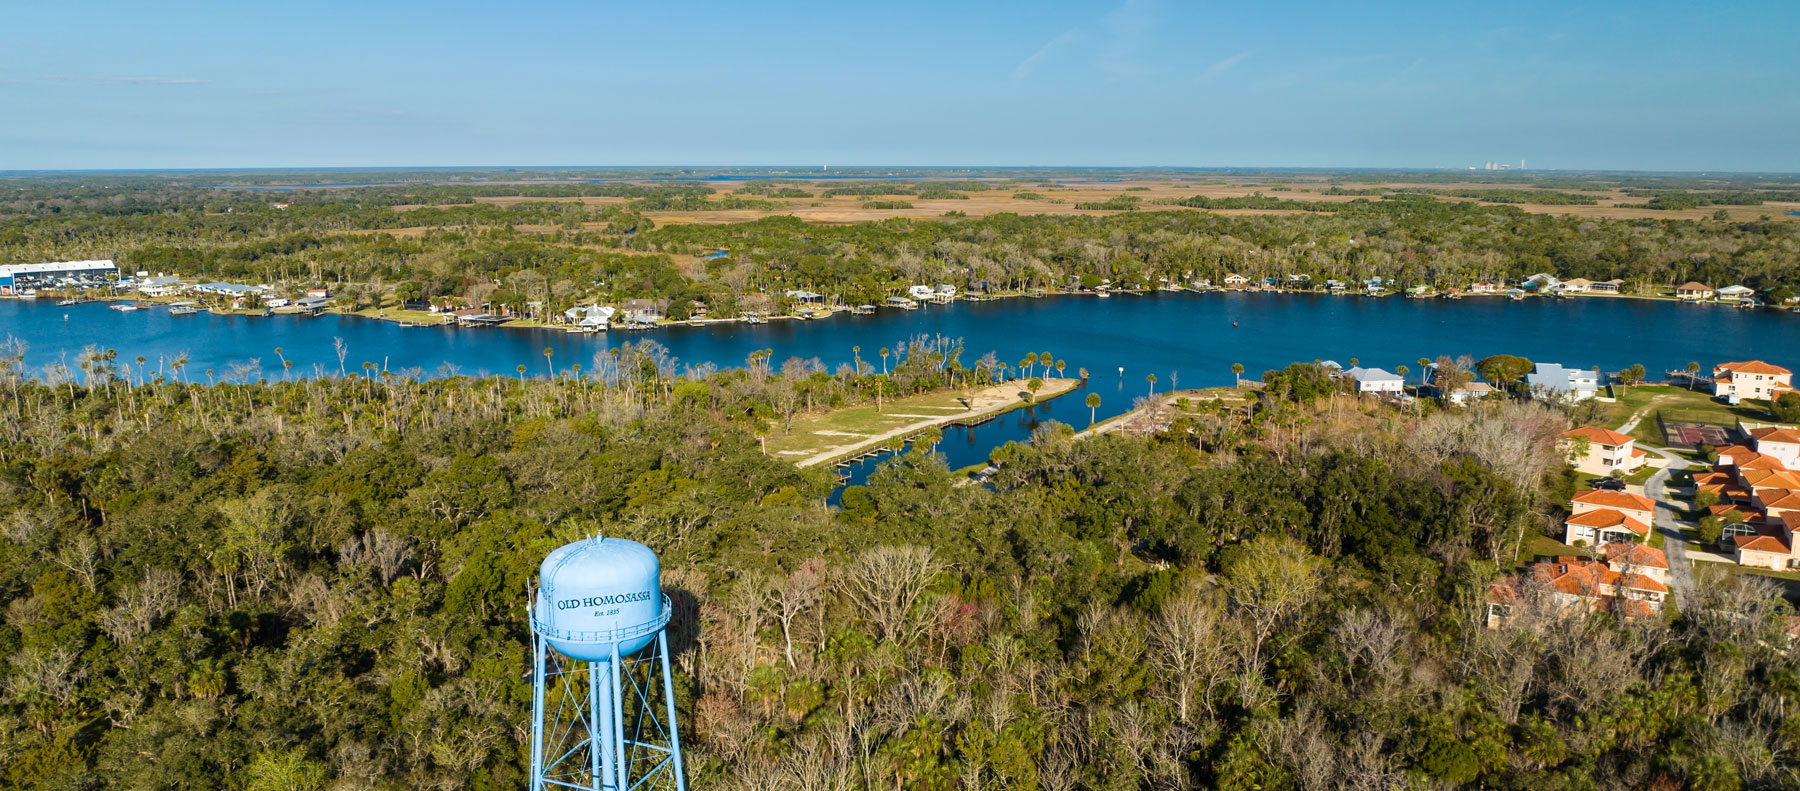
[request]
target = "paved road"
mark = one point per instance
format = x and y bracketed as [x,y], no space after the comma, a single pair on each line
[1681,567]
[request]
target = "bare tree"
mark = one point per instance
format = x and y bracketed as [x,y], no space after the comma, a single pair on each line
[793,596]
[1188,649]
[887,581]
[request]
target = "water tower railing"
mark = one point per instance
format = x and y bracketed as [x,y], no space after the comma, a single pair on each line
[619,635]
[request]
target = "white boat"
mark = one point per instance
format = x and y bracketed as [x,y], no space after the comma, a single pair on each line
[183,310]
[125,308]
[30,293]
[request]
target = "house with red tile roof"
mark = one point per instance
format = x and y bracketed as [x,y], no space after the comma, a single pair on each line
[1600,526]
[1751,379]
[1636,506]
[1782,442]
[1772,545]
[1600,451]
[1623,583]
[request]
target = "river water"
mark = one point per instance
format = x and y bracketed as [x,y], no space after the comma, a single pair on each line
[1185,339]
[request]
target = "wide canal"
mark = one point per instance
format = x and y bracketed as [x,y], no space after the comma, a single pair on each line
[1185,339]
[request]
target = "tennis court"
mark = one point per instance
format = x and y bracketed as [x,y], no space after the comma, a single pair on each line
[1693,435]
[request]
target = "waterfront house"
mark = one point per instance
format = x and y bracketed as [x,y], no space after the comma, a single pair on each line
[1486,287]
[900,302]
[1599,451]
[1693,290]
[1236,280]
[946,293]
[318,292]
[1335,286]
[1541,282]
[1735,293]
[643,312]
[1471,391]
[1612,286]
[807,297]
[233,290]
[1374,285]
[1375,381]
[1577,285]
[160,286]
[312,304]
[920,292]
[1552,381]
[1751,379]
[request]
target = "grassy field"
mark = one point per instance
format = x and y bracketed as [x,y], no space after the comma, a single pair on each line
[1063,196]
[842,428]
[1679,405]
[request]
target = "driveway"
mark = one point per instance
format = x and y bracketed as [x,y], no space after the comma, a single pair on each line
[1681,567]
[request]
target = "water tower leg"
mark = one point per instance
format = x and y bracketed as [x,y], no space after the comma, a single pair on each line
[618,712]
[662,647]
[537,714]
[594,739]
[600,725]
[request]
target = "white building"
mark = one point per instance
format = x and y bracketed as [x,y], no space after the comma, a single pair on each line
[160,286]
[1567,384]
[1376,381]
[1605,450]
[17,277]
[1751,379]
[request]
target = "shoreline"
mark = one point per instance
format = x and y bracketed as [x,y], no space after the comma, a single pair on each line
[425,319]
[1053,388]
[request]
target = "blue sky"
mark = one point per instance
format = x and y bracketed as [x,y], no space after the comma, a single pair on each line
[1644,86]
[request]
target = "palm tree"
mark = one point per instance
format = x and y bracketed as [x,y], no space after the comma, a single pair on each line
[521,372]
[1059,368]
[1693,370]
[1402,371]
[884,354]
[1237,374]
[856,354]
[1354,362]
[1082,372]
[547,363]
[1093,404]
[1424,363]
[1030,362]
[1151,378]
[1046,359]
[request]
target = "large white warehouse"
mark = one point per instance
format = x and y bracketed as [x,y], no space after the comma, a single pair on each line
[16,277]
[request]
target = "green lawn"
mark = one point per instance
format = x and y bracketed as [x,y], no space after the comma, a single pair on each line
[1536,546]
[864,421]
[1677,404]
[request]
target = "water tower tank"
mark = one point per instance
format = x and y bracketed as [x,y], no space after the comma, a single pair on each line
[597,593]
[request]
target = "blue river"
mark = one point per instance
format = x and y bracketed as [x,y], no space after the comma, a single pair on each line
[1185,339]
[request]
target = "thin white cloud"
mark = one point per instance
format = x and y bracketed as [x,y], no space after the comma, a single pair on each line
[1031,62]
[1225,65]
[1129,28]
[110,80]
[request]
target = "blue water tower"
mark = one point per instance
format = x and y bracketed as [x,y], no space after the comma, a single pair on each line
[598,640]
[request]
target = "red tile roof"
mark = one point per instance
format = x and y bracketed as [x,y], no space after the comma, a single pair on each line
[1780,499]
[1622,500]
[1775,434]
[1637,555]
[1607,517]
[1762,543]
[1597,434]
[1752,367]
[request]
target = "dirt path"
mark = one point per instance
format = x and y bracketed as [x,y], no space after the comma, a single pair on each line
[998,398]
